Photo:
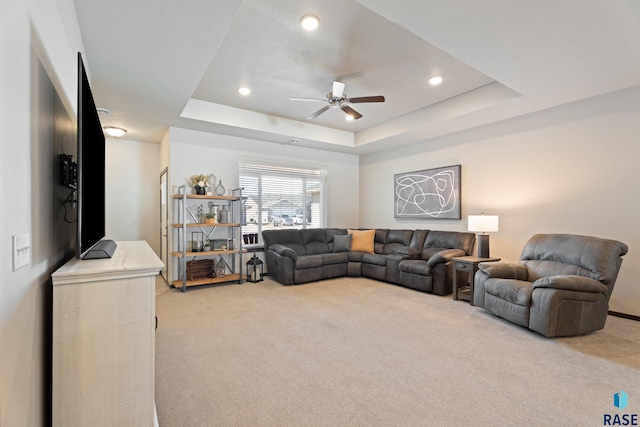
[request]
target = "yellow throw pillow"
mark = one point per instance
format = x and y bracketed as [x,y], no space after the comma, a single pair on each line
[362,240]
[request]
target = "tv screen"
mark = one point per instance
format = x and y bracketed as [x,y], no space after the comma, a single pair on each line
[91,175]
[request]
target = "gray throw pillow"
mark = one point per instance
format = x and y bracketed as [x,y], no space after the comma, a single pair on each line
[341,242]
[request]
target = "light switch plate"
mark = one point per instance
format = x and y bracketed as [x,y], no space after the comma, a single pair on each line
[21,250]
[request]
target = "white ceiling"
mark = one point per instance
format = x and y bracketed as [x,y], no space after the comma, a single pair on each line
[161,63]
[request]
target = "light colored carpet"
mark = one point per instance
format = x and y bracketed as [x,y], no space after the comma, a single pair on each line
[357,352]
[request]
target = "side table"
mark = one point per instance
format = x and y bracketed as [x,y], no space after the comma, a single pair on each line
[463,289]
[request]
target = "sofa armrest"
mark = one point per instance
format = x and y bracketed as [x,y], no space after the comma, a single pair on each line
[571,282]
[283,250]
[444,256]
[504,270]
[408,251]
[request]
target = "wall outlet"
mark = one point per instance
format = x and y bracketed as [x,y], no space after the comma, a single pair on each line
[21,250]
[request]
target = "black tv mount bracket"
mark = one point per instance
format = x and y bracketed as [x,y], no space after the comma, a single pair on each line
[68,171]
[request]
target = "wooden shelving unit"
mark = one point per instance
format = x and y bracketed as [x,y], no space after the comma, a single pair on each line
[189,225]
[207,281]
[231,258]
[216,252]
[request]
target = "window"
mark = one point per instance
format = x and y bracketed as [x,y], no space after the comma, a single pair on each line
[277,196]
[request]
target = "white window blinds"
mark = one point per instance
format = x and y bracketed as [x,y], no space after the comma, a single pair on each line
[278,195]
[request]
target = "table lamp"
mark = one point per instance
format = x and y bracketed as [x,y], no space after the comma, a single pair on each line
[483,224]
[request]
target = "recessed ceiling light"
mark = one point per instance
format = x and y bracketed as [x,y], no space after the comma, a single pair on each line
[114,131]
[435,80]
[309,22]
[103,111]
[244,91]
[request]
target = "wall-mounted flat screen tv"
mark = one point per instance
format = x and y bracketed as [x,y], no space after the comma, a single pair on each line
[90,225]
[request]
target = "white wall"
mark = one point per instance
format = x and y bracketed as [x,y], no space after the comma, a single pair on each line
[201,152]
[572,169]
[133,191]
[31,33]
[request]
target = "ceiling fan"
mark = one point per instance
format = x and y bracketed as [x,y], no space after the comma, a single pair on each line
[337,98]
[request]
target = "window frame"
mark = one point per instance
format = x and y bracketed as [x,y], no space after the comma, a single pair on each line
[260,169]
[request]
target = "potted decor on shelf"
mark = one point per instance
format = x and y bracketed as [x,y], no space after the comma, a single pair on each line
[199,183]
[207,246]
[210,218]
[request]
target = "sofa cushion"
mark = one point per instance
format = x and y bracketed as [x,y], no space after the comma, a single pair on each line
[399,236]
[309,261]
[542,268]
[415,266]
[335,258]
[380,240]
[447,240]
[283,250]
[342,243]
[444,256]
[330,232]
[289,238]
[375,259]
[355,256]
[550,254]
[362,240]
[397,239]
[315,241]
[418,238]
[511,290]
[429,252]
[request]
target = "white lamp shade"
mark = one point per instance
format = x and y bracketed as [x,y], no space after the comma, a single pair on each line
[483,223]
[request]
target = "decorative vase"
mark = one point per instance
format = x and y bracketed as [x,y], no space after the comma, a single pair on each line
[211,183]
[200,190]
[223,215]
[220,189]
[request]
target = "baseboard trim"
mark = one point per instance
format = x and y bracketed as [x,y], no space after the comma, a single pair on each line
[624,315]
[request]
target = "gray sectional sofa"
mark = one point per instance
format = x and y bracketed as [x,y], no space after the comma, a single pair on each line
[418,259]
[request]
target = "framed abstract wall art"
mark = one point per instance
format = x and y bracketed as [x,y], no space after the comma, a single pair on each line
[430,193]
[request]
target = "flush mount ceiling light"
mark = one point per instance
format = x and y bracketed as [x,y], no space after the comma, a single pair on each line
[114,131]
[435,80]
[103,111]
[309,22]
[244,91]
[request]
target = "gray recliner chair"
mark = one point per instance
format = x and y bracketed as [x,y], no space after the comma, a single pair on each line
[560,287]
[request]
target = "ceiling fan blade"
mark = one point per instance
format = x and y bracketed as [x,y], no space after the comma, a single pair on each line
[317,113]
[350,111]
[366,99]
[307,99]
[338,89]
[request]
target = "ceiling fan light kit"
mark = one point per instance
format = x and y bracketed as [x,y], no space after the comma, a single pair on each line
[337,98]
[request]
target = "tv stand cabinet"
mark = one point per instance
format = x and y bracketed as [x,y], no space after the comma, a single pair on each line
[104,339]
